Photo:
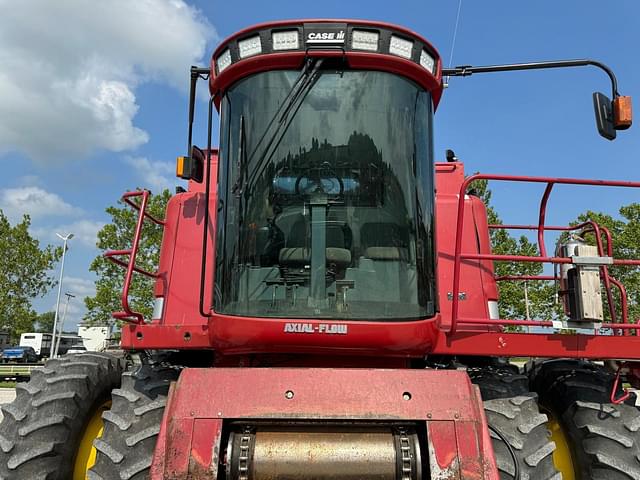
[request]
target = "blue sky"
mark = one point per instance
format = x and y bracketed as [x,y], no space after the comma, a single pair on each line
[105,111]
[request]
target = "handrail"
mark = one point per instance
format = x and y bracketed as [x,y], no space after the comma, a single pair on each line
[127,314]
[588,226]
[451,328]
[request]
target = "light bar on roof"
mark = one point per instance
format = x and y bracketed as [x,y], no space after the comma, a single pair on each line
[310,37]
[364,40]
[400,47]
[250,46]
[285,40]
[224,60]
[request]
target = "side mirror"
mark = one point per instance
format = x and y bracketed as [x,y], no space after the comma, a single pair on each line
[612,116]
[603,108]
[192,167]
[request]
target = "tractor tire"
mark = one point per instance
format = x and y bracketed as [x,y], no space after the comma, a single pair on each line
[42,429]
[516,426]
[519,421]
[603,438]
[498,382]
[131,426]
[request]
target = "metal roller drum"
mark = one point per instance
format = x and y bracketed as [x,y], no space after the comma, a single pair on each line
[323,453]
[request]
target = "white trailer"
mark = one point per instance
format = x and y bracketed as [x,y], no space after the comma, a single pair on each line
[95,338]
[40,342]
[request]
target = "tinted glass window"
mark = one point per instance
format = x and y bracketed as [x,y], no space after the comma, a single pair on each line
[329,215]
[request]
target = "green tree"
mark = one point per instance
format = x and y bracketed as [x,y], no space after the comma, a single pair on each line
[44,322]
[625,232]
[118,235]
[23,275]
[512,304]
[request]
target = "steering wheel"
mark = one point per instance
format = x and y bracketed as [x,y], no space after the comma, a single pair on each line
[320,183]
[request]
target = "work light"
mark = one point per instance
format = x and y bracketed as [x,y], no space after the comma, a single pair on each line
[285,40]
[250,46]
[427,61]
[365,40]
[224,60]
[400,47]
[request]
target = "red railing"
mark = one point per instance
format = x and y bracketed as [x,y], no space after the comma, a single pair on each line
[127,314]
[590,226]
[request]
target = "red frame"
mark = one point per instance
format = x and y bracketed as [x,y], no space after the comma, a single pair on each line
[444,401]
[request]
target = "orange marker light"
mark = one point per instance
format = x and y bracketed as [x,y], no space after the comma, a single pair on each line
[622,114]
[180,167]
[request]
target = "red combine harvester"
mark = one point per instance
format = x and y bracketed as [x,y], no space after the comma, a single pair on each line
[314,320]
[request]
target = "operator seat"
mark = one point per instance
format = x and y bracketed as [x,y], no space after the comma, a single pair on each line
[297,251]
[384,241]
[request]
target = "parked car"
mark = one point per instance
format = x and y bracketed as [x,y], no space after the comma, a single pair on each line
[19,355]
[76,349]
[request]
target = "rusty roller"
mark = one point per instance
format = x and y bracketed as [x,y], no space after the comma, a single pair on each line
[323,453]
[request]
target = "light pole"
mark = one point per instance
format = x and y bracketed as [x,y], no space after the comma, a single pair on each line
[55,318]
[64,317]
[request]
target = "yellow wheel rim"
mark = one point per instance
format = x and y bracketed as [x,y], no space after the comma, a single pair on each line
[86,456]
[562,458]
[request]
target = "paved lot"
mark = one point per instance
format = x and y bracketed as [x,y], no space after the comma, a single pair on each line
[6,396]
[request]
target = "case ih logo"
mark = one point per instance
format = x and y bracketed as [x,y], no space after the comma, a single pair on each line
[326,37]
[324,34]
[323,328]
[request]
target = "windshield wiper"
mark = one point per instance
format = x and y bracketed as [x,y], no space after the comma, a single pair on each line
[242,161]
[284,116]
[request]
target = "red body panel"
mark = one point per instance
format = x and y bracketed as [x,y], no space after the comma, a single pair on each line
[182,326]
[446,401]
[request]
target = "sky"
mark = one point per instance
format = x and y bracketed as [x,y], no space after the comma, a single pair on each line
[95,103]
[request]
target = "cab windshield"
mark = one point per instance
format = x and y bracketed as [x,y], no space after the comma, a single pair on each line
[326,204]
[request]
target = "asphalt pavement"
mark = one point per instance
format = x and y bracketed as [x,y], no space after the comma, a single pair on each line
[6,396]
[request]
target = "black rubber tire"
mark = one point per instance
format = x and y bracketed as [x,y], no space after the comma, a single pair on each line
[519,421]
[43,426]
[131,427]
[513,411]
[604,438]
[497,382]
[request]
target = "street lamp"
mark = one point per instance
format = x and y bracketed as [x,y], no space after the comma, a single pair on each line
[64,317]
[55,318]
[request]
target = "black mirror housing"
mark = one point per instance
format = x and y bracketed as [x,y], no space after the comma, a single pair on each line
[192,167]
[603,108]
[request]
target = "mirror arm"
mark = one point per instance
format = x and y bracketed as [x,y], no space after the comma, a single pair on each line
[467,70]
[196,73]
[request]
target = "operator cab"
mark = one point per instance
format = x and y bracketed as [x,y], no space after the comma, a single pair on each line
[325,186]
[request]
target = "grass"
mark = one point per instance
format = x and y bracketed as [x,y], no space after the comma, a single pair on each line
[7,384]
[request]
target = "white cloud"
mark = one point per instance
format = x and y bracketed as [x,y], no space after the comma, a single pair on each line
[34,201]
[81,288]
[154,175]
[69,69]
[85,233]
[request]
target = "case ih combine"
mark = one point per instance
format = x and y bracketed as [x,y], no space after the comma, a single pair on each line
[326,303]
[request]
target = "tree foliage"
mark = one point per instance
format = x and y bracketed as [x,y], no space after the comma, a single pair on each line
[44,322]
[24,275]
[118,235]
[512,304]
